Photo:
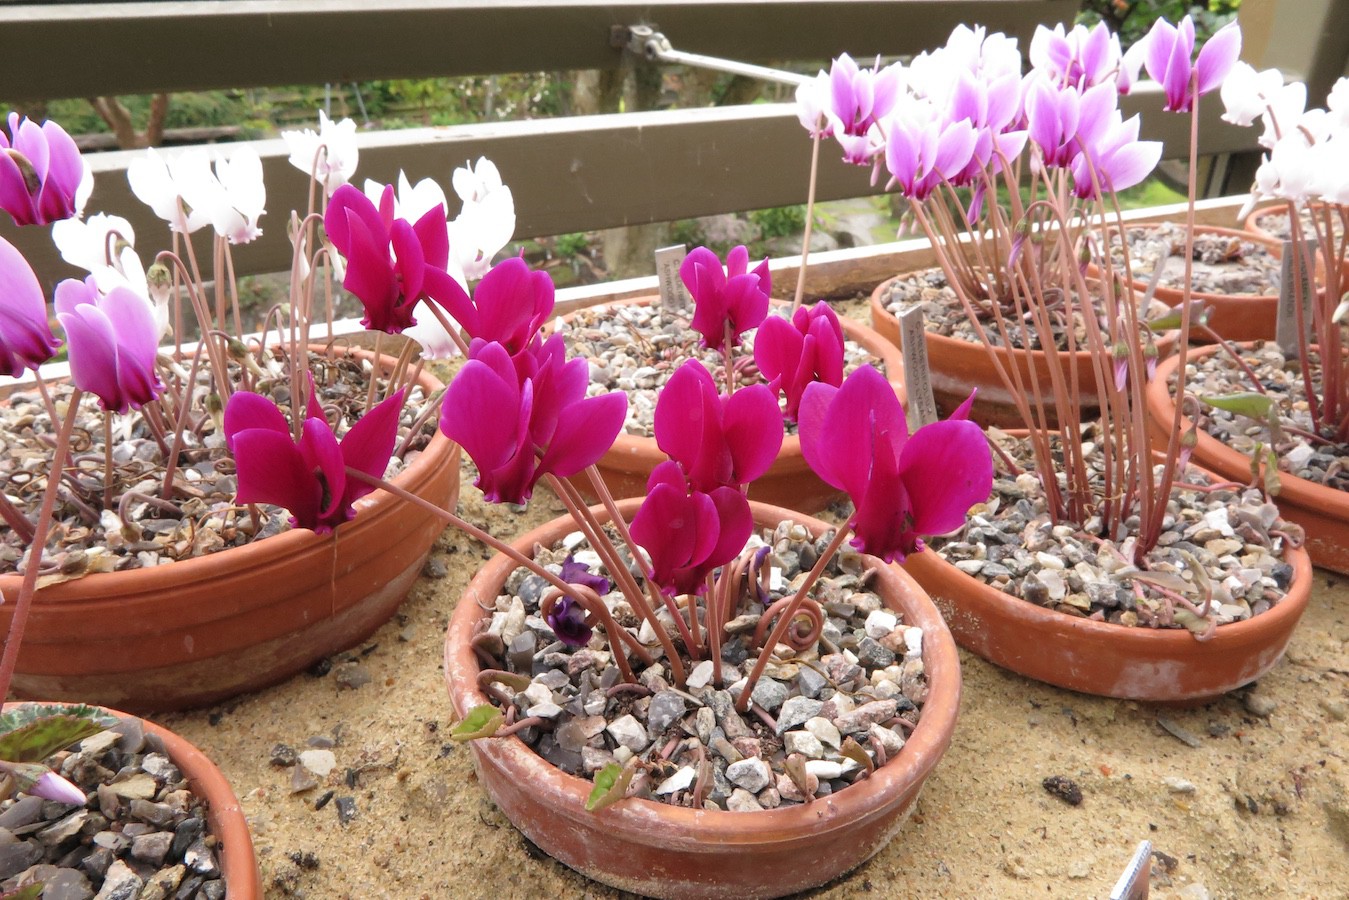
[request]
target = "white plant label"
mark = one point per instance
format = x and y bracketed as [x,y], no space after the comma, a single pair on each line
[917,375]
[1134,883]
[1286,333]
[673,296]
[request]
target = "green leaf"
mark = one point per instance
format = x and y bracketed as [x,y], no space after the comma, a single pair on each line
[29,892]
[1168,321]
[1272,482]
[34,732]
[481,722]
[1244,403]
[611,785]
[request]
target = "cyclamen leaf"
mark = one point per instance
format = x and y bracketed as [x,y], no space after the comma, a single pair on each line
[481,721]
[30,892]
[1243,403]
[32,733]
[853,750]
[611,785]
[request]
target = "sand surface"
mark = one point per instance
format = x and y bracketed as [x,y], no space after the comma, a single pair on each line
[1268,815]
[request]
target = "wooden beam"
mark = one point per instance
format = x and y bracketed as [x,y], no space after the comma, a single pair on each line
[144,47]
[581,173]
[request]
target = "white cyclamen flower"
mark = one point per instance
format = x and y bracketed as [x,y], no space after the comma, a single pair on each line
[1247,93]
[411,201]
[159,183]
[435,341]
[335,165]
[487,221]
[234,197]
[85,243]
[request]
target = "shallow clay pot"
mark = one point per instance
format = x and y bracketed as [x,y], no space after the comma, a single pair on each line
[1235,317]
[1321,511]
[224,816]
[664,851]
[1166,666]
[788,482]
[200,630]
[959,366]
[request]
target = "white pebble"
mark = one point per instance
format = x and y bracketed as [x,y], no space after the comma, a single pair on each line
[880,623]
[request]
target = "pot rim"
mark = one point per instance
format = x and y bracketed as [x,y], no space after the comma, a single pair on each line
[238,861]
[268,551]
[680,826]
[1300,490]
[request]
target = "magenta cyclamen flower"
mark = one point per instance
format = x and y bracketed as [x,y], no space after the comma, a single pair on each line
[112,340]
[718,440]
[522,418]
[723,299]
[26,339]
[43,178]
[1166,54]
[308,477]
[902,486]
[508,306]
[688,533]
[391,264]
[792,355]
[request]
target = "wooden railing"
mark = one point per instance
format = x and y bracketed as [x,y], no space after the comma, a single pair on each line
[567,175]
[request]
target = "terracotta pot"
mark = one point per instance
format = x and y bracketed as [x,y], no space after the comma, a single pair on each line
[224,816]
[1236,317]
[664,851]
[788,482]
[1321,511]
[1167,666]
[959,366]
[1253,222]
[200,630]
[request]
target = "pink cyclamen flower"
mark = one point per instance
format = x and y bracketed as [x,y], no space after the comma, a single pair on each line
[731,298]
[792,355]
[919,154]
[521,418]
[1116,157]
[1167,54]
[26,339]
[688,533]
[52,786]
[1081,58]
[508,306]
[307,477]
[717,439]
[43,178]
[902,486]
[112,340]
[391,263]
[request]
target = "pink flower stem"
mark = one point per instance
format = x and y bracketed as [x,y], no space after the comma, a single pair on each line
[16,520]
[594,533]
[185,404]
[28,587]
[474,532]
[788,614]
[810,220]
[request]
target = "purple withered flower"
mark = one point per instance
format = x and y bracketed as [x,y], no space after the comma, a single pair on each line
[508,306]
[794,354]
[26,339]
[567,618]
[717,439]
[521,418]
[574,572]
[308,477]
[689,533]
[43,178]
[1166,52]
[391,263]
[731,297]
[902,486]
[112,340]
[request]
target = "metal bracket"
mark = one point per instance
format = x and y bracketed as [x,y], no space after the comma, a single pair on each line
[653,46]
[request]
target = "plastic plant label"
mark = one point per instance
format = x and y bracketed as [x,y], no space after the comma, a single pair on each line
[673,296]
[1133,884]
[1285,326]
[917,374]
